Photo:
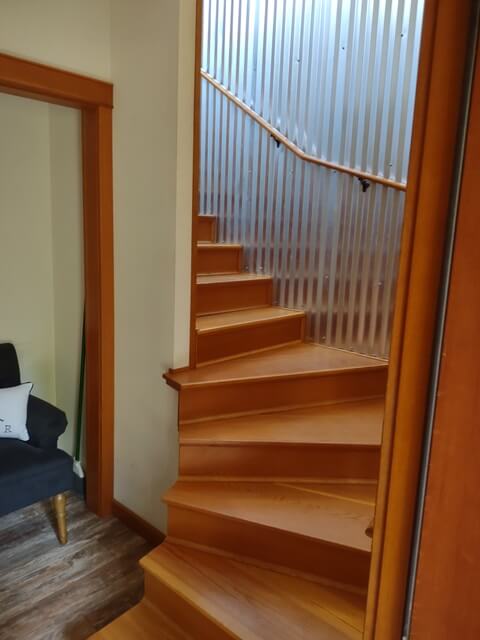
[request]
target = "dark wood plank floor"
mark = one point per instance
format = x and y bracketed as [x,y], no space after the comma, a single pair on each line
[50,592]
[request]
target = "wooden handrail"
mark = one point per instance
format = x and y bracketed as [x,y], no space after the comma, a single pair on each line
[279,137]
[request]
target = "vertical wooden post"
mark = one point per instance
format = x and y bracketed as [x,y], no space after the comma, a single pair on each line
[99,311]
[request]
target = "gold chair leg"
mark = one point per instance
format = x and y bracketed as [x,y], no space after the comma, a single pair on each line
[59,503]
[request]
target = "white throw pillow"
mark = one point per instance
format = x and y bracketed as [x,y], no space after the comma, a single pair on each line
[13,411]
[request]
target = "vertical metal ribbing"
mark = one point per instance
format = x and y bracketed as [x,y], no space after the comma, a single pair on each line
[337,77]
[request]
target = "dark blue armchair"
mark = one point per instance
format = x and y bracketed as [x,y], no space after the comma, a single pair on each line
[34,470]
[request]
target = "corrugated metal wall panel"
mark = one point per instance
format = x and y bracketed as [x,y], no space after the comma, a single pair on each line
[338,78]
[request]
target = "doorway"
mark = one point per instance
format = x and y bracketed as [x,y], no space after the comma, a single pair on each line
[93,101]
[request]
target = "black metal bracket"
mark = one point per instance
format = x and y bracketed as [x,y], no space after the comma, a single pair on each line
[365,184]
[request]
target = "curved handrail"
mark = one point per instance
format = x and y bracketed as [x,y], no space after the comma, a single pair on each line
[279,137]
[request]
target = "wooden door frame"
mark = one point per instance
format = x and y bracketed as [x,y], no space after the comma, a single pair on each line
[94,98]
[439,100]
[446,595]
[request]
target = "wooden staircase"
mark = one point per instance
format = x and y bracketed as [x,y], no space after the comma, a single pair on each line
[279,456]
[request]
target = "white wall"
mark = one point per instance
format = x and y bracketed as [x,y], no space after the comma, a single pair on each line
[26,273]
[67,248]
[146,48]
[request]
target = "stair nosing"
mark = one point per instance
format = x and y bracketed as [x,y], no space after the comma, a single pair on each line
[235,518]
[274,376]
[295,313]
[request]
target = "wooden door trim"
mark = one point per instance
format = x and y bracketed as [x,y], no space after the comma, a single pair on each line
[438,106]
[95,100]
[446,594]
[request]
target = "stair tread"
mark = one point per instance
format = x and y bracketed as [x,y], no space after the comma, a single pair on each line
[220,245]
[291,360]
[229,319]
[255,603]
[280,506]
[142,622]
[220,278]
[348,423]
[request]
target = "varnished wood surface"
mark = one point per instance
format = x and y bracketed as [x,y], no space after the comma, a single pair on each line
[222,338]
[230,292]
[256,395]
[296,360]
[254,603]
[50,84]
[54,592]
[349,423]
[336,441]
[446,26]
[226,321]
[447,593]
[206,227]
[142,622]
[219,258]
[99,306]
[286,507]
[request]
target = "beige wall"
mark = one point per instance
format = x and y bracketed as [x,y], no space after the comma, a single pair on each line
[146,48]
[71,34]
[41,239]
[144,71]
[67,247]
[26,274]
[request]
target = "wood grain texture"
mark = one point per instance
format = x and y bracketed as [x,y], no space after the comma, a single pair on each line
[219,258]
[337,441]
[50,591]
[280,524]
[289,361]
[50,84]
[206,228]
[252,396]
[447,595]
[227,335]
[99,306]
[247,602]
[232,292]
[446,27]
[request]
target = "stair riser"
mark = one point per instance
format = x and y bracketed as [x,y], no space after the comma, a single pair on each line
[187,617]
[233,296]
[202,402]
[349,567]
[313,462]
[206,229]
[246,339]
[214,259]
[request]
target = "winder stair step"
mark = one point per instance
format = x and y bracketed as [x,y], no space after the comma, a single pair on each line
[221,598]
[226,335]
[300,527]
[333,441]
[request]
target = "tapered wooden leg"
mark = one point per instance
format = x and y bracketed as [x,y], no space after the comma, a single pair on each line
[59,503]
